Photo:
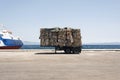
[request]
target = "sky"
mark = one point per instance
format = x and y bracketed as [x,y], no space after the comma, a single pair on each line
[99,20]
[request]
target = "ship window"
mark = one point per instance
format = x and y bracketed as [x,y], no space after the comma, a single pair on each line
[11,37]
[1,34]
[4,40]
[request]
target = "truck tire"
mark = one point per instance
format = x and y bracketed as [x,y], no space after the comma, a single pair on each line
[76,50]
[67,50]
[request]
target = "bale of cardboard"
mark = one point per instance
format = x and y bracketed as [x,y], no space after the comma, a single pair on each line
[60,37]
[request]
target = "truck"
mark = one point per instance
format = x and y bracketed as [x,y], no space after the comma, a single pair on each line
[67,39]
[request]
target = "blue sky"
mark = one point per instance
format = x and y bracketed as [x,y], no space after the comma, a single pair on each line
[99,20]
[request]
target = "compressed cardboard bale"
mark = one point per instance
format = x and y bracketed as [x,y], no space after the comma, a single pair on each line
[76,37]
[69,37]
[60,37]
[44,36]
[53,38]
[49,37]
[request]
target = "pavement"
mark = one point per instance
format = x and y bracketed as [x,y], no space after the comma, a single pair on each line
[46,65]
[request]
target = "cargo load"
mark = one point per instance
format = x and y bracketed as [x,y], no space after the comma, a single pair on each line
[61,38]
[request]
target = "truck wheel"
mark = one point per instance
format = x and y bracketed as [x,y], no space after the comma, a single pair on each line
[67,50]
[76,51]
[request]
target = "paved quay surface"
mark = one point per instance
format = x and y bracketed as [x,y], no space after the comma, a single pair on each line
[45,65]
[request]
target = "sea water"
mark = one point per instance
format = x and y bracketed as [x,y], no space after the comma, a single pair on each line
[83,47]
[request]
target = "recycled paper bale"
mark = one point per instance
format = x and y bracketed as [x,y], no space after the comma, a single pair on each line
[61,37]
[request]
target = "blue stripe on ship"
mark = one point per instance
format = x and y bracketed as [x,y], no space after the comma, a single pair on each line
[10,42]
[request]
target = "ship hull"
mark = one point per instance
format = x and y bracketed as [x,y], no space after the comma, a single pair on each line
[11,44]
[10,47]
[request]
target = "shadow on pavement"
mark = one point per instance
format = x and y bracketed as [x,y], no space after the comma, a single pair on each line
[50,53]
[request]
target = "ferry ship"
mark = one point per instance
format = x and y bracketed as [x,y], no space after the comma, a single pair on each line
[8,41]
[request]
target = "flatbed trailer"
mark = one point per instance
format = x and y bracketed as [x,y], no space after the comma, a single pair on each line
[66,39]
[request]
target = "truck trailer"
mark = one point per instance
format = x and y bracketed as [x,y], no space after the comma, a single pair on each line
[67,39]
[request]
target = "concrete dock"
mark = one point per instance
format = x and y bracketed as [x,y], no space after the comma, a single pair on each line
[46,65]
